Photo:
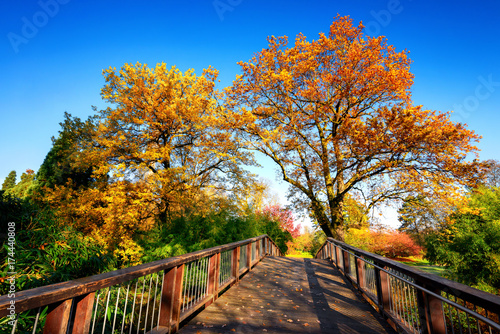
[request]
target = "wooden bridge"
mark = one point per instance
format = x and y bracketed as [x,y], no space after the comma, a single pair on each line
[248,287]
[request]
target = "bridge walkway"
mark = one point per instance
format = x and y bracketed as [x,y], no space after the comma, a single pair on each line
[289,295]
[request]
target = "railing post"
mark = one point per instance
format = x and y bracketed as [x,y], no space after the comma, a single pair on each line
[430,311]
[213,278]
[57,317]
[236,264]
[347,267]
[339,256]
[82,314]
[249,255]
[168,295]
[383,287]
[360,273]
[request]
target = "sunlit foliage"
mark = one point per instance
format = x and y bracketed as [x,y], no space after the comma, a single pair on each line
[336,116]
[469,244]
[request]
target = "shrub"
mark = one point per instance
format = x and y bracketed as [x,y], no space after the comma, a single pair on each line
[386,243]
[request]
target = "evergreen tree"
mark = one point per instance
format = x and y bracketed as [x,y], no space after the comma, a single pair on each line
[10,181]
[59,164]
[25,187]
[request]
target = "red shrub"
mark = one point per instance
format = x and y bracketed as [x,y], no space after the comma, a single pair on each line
[394,244]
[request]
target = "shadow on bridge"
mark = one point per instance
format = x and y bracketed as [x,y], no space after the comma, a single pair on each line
[289,295]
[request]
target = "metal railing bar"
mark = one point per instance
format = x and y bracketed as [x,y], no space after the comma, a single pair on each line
[140,305]
[125,306]
[159,304]
[204,286]
[133,308]
[477,321]
[14,327]
[458,317]
[197,282]
[154,303]
[450,315]
[415,309]
[468,323]
[116,309]
[95,311]
[147,305]
[106,310]
[36,319]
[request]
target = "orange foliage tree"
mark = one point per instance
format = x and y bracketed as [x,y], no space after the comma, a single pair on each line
[337,118]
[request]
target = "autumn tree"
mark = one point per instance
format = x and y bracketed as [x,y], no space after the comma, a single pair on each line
[283,216]
[163,136]
[336,116]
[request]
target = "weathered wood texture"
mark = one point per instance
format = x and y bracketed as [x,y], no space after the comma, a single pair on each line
[288,295]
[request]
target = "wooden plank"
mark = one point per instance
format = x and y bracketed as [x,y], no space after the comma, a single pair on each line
[57,317]
[289,295]
[83,313]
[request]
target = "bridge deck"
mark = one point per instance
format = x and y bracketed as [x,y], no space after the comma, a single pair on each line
[289,295]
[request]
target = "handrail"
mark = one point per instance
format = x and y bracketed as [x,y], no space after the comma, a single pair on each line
[413,300]
[189,282]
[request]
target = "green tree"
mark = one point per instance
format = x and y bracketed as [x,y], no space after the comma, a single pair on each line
[418,217]
[469,245]
[25,187]
[61,163]
[10,181]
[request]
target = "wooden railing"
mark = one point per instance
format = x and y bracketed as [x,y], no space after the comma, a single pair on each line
[411,300]
[153,297]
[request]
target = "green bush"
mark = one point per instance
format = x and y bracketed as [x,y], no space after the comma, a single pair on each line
[193,232]
[46,252]
[469,246]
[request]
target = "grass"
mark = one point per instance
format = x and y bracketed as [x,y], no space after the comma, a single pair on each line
[423,264]
[300,254]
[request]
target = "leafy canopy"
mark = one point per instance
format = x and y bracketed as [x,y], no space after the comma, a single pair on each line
[335,114]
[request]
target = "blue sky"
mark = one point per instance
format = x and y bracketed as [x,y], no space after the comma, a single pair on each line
[52,53]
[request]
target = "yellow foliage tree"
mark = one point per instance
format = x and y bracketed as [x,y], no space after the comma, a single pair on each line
[164,135]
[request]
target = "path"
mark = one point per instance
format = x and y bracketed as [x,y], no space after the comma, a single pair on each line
[289,295]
